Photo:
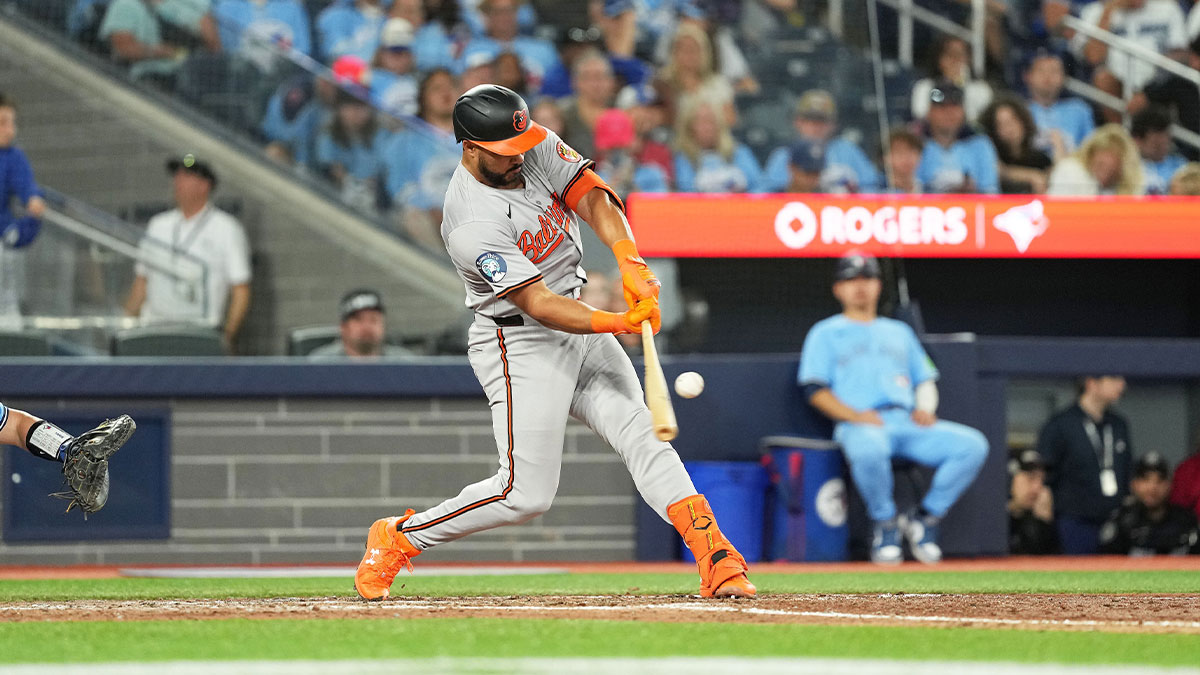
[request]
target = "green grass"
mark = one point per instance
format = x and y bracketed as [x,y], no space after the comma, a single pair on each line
[243,639]
[609,584]
[377,638]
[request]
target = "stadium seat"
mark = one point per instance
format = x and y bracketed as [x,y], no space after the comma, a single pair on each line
[14,343]
[168,341]
[302,341]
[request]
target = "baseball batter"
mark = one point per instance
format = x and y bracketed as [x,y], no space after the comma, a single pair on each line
[511,225]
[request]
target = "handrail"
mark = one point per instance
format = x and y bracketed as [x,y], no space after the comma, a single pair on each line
[179,266]
[1136,51]
[65,222]
[909,11]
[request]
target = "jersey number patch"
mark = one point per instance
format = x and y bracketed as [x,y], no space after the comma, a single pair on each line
[491,266]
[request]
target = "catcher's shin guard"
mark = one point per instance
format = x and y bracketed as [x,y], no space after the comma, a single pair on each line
[722,568]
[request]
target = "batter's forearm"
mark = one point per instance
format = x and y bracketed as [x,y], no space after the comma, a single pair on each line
[604,217]
[553,310]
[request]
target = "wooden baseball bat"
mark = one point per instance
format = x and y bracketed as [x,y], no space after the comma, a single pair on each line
[658,399]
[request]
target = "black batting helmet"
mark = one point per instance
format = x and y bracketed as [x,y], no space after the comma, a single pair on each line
[497,119]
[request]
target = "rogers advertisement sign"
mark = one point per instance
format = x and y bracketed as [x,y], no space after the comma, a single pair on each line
[969,226]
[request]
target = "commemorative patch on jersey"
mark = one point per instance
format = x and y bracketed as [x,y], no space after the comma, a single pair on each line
[491,266]
[567,153]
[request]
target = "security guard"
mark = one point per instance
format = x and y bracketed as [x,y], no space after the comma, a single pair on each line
[1146,524]
[1087,454]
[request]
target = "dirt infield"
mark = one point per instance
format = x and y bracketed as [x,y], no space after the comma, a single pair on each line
[1118,613]
[1143,613]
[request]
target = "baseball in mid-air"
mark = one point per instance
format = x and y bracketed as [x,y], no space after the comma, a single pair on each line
[689,384]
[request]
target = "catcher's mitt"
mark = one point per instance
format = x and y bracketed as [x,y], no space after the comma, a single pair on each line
[85,463]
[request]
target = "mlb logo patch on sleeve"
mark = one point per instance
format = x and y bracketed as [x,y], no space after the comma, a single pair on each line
[491,266]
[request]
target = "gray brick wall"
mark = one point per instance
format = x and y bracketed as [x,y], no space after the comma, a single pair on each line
[291,481]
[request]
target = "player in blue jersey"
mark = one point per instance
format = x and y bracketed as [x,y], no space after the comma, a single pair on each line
[870,375]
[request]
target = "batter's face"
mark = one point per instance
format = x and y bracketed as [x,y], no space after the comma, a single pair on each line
[362,332]
[499,171]
[860,294]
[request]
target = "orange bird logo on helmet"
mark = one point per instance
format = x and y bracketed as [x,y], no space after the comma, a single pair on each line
[520,119]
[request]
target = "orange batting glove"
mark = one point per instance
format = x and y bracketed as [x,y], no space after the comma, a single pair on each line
[637,281]
[620,323]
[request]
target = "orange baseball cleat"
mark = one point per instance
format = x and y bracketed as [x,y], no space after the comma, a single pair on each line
[388,551]
[722,568]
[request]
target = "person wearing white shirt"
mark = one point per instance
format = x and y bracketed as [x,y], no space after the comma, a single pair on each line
[196,230]
[1158,25]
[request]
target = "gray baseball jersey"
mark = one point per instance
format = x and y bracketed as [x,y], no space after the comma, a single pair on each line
[502,240]
[535,377]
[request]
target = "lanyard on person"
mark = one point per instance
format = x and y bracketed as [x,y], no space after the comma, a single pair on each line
[186,288]
[1104,452]
[176,246]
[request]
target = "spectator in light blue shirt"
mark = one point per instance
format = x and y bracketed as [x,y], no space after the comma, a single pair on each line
[538,56]
[1151,131]
[955,159]
[847,168]
[352,29]
[431,46]
[707,158]
[393,77]
[291,121]
[1062,123]
[348,150]
[258,29]
[419,159]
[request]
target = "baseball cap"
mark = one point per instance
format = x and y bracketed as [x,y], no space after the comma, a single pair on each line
[855,265]
[1151,462]
[945,92]
[357,300]
[1029,460]
[397,34]
[807,155]
[190,163]
[817,104]
[614,129]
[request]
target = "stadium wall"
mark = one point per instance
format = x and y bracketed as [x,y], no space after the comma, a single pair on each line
[274,461]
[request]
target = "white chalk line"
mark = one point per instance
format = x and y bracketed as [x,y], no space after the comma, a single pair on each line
[308,605]
[625,666]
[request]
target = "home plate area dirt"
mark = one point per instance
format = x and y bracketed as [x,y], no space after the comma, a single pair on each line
[1157,613]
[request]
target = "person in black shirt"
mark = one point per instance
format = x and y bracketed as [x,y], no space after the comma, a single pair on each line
[1030,508]
[1087,454]
[1023,168]
[1146,524]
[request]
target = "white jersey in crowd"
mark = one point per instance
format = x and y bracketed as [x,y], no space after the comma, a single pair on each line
[213,237]
[1158,26]
[503,240]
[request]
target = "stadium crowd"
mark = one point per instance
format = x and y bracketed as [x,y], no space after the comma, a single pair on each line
[650,89]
